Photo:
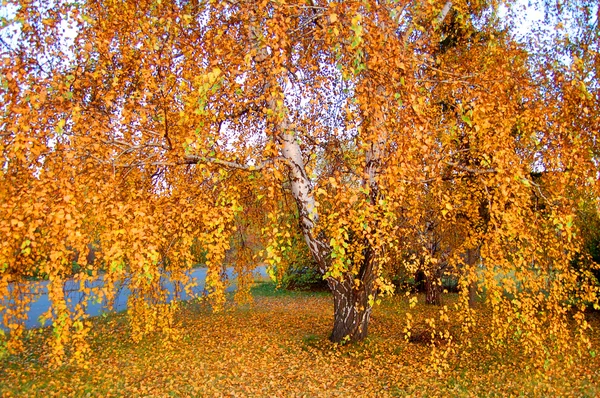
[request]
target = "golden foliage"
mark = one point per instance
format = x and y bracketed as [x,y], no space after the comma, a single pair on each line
[144,128]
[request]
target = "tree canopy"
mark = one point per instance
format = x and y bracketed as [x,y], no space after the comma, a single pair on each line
[386,133]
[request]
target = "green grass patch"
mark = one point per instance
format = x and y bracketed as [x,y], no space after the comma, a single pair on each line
[270,289]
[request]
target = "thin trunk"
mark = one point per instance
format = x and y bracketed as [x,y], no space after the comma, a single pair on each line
[433,276]
[433,289]
[472,256]
[472,294]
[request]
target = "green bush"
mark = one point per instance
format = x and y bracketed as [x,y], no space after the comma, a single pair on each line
[303,277]
[301,271]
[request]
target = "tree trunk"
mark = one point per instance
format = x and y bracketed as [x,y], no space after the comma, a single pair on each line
[351,312]
[472,256]
[351,301]
[472,294]
[433,289]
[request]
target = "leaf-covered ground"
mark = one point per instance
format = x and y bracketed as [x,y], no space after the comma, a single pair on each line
[279,347]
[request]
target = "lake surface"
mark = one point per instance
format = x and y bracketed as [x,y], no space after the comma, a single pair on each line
[41,303]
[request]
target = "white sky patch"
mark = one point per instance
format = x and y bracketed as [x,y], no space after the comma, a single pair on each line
[9,29]
[525,16]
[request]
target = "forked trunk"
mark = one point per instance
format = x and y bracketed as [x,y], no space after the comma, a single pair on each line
[351,312]
[351,301]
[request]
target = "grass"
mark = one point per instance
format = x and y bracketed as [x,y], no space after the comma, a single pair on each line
[278,347]
[269,289]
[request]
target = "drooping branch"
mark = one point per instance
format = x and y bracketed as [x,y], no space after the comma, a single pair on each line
[195,159]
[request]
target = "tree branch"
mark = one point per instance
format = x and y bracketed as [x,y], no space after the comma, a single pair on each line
[471,170]
[444,12]
[195,159]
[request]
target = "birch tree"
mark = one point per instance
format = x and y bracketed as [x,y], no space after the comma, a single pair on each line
[147,126]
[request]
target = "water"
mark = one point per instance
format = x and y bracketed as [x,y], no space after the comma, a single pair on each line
[95,307]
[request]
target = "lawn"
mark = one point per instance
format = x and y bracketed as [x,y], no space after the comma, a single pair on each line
[278,347]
